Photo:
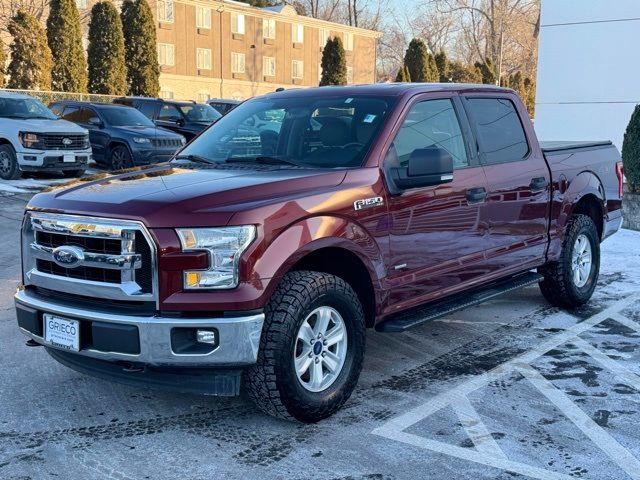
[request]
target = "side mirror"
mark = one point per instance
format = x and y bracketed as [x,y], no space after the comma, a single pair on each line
[427,166]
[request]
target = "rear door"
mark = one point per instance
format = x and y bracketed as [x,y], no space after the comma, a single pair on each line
[518,180]
[438,234]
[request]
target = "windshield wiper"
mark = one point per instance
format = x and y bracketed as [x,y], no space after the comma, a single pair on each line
[193,158]
[266,160]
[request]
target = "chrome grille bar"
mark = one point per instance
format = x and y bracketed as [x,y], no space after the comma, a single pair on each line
[96,260]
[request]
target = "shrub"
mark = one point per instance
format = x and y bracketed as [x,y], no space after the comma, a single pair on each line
[107,70]
[631,151]
[31,61]
[64,35]
[143,71]
[334,63]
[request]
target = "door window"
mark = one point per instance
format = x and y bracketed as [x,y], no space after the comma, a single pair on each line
[499,130]
[80,115]
[169,113]
[428,124]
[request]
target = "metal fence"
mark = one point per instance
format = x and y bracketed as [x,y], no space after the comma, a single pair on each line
[47,97]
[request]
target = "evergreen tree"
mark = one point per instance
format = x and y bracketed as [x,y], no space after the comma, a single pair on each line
[416,59]
[403,74]
[487,71]
[461,73]
[433,75]
[3,63]
[516,82]
[334,63]
[107,70]
[442,62]
[530,95]
[64,35]
[631,151]
[143,71]
[31,61]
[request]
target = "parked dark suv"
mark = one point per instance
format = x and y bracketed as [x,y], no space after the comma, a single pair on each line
[186,118]
[120,136]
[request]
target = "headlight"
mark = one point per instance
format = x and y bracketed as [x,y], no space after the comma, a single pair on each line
[30,140]
[225,246]
[183,140]
[141,140]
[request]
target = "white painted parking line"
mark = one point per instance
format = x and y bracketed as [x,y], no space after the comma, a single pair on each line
[605,442]
[487,454]
[476,430]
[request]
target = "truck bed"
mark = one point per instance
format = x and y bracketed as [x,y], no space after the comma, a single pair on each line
[564,146]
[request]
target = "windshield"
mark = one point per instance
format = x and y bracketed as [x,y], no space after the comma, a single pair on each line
[198,112]
[24,108]
[313,131]
[125,117]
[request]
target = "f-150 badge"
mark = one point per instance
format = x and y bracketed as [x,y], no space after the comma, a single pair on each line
[368,203]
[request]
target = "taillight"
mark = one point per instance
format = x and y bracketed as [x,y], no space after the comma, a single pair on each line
[620,175]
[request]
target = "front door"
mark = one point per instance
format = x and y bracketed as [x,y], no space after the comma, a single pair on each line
[518,179]
[438,234]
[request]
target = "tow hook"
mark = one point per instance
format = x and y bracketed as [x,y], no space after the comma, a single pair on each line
[32,343]
[131,368]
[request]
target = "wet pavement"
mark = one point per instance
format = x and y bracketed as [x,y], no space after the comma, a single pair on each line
[510,389]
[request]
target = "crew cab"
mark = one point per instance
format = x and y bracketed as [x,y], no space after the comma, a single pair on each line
[120,136]
[33,139]
[264,261]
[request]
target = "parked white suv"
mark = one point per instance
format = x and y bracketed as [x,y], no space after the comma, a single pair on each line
[33,139]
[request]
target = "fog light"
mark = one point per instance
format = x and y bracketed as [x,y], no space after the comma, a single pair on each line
[206,336]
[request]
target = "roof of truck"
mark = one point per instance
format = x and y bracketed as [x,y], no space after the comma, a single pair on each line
[392,89]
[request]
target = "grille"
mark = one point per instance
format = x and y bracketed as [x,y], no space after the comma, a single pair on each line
[56,142]
[166,142]
[99,245]
[116,258]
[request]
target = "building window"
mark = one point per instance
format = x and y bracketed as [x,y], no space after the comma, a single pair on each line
[237,62]
[81,3]
[166,54]
[203,58]
[165,11]
[237,23]
[269,66]
[297,69]
[203,17]
[297,33]
[323,37]
[349,75]
[203,96]
[348,41]
[268,28]
[166,93]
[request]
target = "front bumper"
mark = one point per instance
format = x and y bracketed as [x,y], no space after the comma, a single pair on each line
[147,156]
[144,340]
[52,160]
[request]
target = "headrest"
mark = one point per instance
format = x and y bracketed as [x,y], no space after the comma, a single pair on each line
[334,132]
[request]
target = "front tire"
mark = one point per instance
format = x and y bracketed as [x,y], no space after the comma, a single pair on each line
[9,168]
[311,349]
[120,158]
[571,280]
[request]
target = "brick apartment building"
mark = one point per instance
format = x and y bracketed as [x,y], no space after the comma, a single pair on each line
[228,49]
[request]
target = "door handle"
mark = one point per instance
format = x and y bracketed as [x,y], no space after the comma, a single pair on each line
[476,195]
[538,183]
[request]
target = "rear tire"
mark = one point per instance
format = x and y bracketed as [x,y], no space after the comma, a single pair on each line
[9,168]
[275,383]
[571,280]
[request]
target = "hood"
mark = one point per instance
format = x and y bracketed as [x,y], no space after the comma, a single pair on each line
[149,132]
[174,196]
[42,125]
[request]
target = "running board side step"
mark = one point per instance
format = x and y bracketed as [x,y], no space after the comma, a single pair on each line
[412,318]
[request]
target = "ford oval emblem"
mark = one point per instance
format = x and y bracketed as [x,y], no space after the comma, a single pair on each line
[67,141]
[67,256]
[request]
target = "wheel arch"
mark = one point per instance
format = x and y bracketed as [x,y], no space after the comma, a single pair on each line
[585,195]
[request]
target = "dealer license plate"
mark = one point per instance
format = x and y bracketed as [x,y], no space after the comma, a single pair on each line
[68,157]
[62,332]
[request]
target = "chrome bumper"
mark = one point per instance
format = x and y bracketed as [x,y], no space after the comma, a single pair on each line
[239,337]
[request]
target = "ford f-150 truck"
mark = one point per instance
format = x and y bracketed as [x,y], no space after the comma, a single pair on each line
[261,260]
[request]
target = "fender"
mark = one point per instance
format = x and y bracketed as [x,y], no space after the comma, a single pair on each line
[312,234]
[565,202]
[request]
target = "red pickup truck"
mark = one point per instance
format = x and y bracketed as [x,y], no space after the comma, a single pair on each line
[261,254]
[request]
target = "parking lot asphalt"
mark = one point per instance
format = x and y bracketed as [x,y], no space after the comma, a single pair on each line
[510,389]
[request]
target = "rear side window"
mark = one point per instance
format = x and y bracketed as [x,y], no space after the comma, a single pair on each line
[79,115]
[169,113]
[148,109]
[500,132]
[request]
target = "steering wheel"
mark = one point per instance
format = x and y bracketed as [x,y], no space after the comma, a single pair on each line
[353,144]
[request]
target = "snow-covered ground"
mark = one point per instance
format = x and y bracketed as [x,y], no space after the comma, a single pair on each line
[36,183]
